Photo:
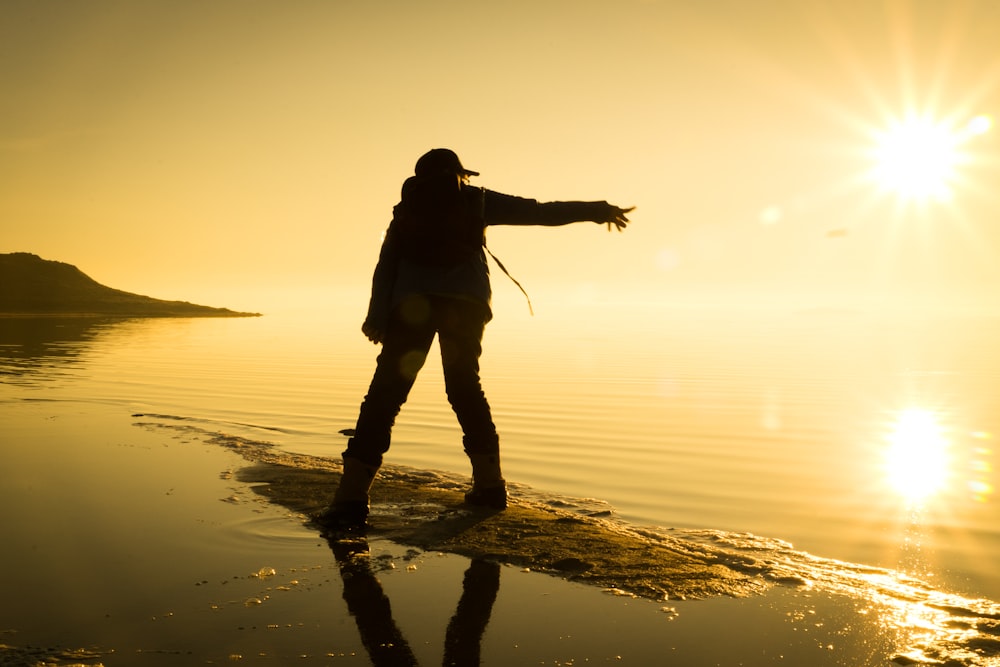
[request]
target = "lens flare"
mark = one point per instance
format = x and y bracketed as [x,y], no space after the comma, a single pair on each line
[981,467]
[979,125]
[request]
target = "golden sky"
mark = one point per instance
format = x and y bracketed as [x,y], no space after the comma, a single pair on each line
[223,151]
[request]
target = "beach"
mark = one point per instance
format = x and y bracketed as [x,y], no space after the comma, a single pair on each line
[739,262]
[142,531]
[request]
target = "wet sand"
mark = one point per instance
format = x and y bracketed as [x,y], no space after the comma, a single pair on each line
[577,548]
[888,620]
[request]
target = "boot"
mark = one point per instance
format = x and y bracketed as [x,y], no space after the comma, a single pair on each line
[488,486]
[349,507]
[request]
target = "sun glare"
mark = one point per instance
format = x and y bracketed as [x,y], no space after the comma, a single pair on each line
[919,158]
[917,458]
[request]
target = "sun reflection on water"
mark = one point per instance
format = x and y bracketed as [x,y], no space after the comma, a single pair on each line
[918,460]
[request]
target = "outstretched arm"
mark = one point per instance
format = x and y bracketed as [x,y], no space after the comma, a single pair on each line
[501,209]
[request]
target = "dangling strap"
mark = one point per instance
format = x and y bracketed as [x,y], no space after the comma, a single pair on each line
[507,273]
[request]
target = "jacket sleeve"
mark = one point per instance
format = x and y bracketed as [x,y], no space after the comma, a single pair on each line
[383,280]
[501,209]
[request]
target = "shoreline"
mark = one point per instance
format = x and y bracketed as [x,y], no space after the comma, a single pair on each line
[577,548]
[250,579]
[909,620]
[124,315]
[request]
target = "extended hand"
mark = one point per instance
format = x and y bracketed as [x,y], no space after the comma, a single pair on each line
[613,215]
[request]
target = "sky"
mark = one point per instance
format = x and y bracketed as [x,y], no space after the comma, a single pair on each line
[234,152]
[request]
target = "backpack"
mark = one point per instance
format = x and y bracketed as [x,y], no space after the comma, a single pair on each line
[437,223]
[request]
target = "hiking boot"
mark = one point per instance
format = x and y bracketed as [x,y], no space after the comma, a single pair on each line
[349,508]
[347,516]
[488,486]
[494,497]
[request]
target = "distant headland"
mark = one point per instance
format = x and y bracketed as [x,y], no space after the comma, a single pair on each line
[32,286]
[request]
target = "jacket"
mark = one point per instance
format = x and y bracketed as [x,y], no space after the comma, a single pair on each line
[452,261]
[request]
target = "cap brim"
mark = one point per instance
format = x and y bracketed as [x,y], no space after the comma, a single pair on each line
[469,172]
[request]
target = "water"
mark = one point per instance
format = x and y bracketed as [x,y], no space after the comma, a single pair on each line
[860,438]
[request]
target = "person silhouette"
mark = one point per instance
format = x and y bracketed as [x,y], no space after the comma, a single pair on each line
[432,279]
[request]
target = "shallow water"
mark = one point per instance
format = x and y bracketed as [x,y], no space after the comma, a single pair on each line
[791,425]
[807,427]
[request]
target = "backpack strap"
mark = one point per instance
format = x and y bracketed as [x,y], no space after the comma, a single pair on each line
[479,202]
[507,273]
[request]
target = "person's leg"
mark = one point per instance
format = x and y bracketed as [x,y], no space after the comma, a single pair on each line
[404,351]
[460,332]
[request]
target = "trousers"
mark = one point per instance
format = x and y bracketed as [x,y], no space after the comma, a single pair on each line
[459,325]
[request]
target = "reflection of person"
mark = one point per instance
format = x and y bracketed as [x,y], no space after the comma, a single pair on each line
[368,604]
[432,278]
[372,611]
[464,638]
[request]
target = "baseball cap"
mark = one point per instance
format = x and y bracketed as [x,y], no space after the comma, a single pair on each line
[441,159]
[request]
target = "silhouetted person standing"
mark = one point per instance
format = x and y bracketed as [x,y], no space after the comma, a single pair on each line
[432,278]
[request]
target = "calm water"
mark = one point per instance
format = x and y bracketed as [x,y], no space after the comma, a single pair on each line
[854,437]
[844,434]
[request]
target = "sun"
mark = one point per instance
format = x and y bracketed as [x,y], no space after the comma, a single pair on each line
[919,158]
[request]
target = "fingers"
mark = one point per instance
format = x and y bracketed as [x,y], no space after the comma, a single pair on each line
[619,218]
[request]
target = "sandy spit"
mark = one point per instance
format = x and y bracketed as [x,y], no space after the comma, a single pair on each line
[410,511]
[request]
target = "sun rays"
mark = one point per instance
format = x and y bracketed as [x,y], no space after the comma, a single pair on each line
[916,159]
[906,199]
[920,158]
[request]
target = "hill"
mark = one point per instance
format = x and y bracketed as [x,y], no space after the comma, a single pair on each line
[30,285]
